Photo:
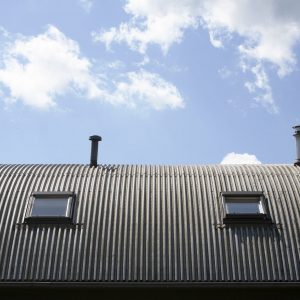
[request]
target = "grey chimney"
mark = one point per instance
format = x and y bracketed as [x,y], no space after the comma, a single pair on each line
[94,149]
[297,136]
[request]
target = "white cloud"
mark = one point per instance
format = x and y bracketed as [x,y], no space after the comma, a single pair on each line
[86,4]
[269,29]
[150,88]
[262,88]
[240,159]
[37,70]
[153,22]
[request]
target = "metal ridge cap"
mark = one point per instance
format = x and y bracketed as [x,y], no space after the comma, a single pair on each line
[152,284]
[146,164]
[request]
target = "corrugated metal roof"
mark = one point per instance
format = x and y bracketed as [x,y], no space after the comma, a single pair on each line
[150,223]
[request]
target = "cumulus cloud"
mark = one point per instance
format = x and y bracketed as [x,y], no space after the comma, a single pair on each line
[153,22]
[240,159]
[147,87]
[37,70]
[269,30]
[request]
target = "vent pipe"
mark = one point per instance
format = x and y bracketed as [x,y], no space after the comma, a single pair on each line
[297,136]
[94,149]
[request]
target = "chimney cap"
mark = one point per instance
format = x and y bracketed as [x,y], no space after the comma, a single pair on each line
[95,138]
[297,130]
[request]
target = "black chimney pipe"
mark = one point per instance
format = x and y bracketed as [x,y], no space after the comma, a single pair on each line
[94,149]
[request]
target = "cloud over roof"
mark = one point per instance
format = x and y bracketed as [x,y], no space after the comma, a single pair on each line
[240,159]
[38,69]
[268,32]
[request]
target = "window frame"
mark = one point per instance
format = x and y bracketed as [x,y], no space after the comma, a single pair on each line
[246,218]
[67,219]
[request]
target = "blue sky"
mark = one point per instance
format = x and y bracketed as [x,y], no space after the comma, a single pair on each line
[163,82]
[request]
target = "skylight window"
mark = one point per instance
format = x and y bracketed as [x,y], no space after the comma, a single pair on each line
[50,207]
[245,207]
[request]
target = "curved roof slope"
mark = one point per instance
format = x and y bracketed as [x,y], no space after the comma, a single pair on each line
[150,223]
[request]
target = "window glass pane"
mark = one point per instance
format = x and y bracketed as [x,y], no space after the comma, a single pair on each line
[244,206]
[49,207]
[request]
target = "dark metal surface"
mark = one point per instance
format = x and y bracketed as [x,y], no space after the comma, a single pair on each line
[95,139]
[150,224]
